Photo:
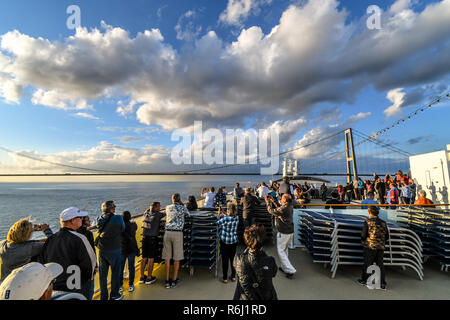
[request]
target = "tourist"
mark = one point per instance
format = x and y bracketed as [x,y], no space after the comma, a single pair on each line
[192,205]
[86,223]
[238,193]
[285,187]
[70,248]
[254,268]
[355,186]
[369,200]
[323,192]
[263,191]
[249,203]
[380,189]
[32,281]
[374,236]
[208,202]
[129,250]
[392,196]
[423,200]
[285,226]
[151,225]
[173,239]
[405,192]
[413,188]
[228,224]
[360,189]
[341,192]
[111,227]
[18,250]
[334,200]
[220,199]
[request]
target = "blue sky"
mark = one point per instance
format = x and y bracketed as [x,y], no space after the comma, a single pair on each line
[109,95]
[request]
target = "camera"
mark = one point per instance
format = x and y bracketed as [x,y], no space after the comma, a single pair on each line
[36,227]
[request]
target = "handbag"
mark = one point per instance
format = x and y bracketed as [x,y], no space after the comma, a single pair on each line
[100,232]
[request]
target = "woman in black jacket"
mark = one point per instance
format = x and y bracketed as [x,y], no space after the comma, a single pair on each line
[130,249]
[254,268]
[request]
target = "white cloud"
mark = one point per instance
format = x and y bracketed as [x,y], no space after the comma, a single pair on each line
[186,28]
[238,11]
[105,156]
[396,96]
[312,56]
[86,115]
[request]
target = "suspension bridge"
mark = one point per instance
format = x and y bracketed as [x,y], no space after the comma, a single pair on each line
[350,153]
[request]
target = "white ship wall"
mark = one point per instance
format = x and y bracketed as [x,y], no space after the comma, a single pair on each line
[430,172]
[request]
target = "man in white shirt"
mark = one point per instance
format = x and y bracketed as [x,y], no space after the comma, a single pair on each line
[263,191]
[208,202]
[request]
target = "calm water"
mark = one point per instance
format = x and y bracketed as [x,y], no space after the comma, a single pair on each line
[44,201]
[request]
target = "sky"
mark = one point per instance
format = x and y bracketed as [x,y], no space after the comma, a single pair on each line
[109,94]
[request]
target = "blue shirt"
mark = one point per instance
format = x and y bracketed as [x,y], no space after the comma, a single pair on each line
[368,201]
[228,230]
[405,192]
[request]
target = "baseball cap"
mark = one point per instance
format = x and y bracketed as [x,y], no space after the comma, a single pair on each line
[70,213]
[29,282]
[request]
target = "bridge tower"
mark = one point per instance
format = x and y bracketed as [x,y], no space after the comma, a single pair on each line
[350,155]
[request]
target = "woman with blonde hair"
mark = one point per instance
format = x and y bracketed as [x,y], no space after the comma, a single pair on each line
[18,249]
[228,224]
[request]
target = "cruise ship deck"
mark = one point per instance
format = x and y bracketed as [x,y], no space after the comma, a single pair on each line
[312,282]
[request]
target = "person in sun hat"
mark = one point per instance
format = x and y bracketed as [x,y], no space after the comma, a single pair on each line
[32,281]
[73,252]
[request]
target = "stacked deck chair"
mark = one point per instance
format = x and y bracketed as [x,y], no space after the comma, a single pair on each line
[403,248]
[204,241]
[433,228]
[186,241]
[262,216]
[315,234]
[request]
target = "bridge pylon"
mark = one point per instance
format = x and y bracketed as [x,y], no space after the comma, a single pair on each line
[350,156]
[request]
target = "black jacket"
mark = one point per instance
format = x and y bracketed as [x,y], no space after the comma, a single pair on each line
[284,221]
[69,249]
[128,242]
[255,271]
[249,203]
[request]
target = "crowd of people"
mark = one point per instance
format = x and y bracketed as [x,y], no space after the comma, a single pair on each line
[67,261]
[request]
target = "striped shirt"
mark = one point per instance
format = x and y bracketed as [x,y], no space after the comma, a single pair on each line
[228,230]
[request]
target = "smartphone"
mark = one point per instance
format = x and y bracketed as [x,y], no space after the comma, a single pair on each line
[36,227]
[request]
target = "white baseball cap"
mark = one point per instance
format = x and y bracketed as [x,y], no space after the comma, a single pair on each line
[29,282]
[70,213]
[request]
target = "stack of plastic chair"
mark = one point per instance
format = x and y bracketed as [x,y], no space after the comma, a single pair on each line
[403,247]
[204,241]
[187,237]
[336,239]
[433,228]
[315,234]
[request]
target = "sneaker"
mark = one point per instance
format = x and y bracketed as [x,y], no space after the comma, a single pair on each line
[131,289]
[151,280]
[143,280]
[383,287]
[176,283]
[361,282]
[121,290]
[120,297]
[168,284]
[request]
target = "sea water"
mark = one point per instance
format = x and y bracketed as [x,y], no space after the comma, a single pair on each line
[44,201]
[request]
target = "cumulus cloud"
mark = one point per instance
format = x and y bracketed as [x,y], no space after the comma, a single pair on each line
[320,132]
[238,11]
[105,156]
[313,56]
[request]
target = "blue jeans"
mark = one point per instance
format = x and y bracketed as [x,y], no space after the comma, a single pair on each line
[131,270]
[109,258]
